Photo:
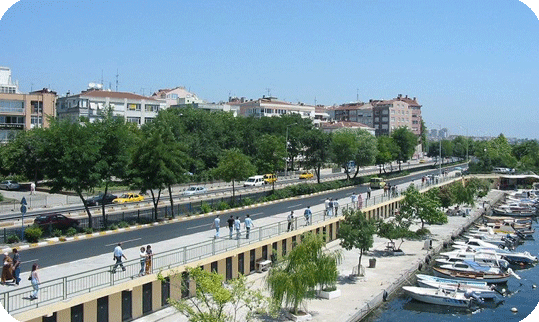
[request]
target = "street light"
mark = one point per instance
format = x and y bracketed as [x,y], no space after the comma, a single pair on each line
[286,149]
[440,152]
[467,140]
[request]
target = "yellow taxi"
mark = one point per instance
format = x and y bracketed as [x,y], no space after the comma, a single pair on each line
[128,197]
[270,178]
[306,175]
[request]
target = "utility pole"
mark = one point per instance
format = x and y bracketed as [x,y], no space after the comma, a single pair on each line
[117,79]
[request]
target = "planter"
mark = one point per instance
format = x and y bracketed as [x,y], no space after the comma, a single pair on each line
[302,316]
[398,252]
[329,295]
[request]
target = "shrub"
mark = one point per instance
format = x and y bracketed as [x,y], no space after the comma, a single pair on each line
[1,197]
[56,233]
[205,207]
[123,224]
[88,230]
[32,234]
[223,205]
[247,201]
[422,232]
[13,239]
[71,231]
[113,227]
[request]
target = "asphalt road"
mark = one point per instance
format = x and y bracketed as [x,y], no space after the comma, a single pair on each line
[71,251]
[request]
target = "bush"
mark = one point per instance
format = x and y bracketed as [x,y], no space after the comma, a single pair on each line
[13,239]
[56,233]
[223,205]
[422,232]
[32,234]
[113,227]
[1,197]
[247,201]
[205,207]
[123,224]
[71,231]
[88,230]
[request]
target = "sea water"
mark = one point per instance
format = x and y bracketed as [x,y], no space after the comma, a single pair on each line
[521,294]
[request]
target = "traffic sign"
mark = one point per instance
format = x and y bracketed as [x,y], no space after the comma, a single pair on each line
[23,209]
[23,201]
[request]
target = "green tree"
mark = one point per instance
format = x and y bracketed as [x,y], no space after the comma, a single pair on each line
[234,166]
[425,207]
[317,150]
[367,150]
[356,231]
[22,155]
[216,302]
[406,141]
[306,267]
[344,146]
[387,151]
[271,154]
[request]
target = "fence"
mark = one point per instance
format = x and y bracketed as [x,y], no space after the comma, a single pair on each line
[66,287]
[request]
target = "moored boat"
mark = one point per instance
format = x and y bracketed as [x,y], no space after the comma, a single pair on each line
[485,292]
[470,275]
[438,296]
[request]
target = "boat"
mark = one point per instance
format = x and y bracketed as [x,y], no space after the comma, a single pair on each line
[474,276]
[509,220]
[484,292]
[470,266]
[439,296]
[496,211]
[474,242]
[512,257]
[490,259]
[477,284]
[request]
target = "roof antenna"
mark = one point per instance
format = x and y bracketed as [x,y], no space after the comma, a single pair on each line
[117,79]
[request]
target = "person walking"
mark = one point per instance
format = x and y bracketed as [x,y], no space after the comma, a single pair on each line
[216,224]
[7,269]
[326,203]
[360,202]
[368,193]
[34,278]
[248,222]
[307,214]
[330,208]
[353,199]
[32,188]
[142,256]
[149,257]
[16,266]
[336,206]
[230,223]
[290,220]
[237,226]
[118,254]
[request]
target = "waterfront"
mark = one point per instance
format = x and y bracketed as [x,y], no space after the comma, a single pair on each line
[522,295]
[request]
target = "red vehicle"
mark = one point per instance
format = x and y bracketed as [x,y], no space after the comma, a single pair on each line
[55,220]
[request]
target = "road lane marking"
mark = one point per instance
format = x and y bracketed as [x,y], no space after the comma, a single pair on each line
[199,226]
[32,260]
[125,241]
[258,213]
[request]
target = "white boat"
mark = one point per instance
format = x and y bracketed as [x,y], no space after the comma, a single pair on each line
[472,276]
[469,266]
[482,258]
[438,296]
[511,256]
[449,280]
[474,243]
[512,213]
[484,292]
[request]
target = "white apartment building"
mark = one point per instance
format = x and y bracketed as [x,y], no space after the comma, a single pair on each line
[270,106]
[176,96]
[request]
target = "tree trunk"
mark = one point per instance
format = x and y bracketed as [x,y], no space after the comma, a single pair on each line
[171,201]
[357,171]
[233,193]
[103,213]
[359,263]
[155,202]
[318,173]
[86,208]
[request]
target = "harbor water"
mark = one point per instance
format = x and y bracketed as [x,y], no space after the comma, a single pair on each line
[522,294]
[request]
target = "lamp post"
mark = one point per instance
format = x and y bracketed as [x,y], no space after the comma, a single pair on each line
[467,141]
[286,149]
[440,152]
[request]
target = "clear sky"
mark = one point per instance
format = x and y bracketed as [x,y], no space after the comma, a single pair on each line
[469,63]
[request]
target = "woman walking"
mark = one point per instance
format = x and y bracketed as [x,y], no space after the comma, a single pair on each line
[149,255]
[143,258]
[35,281]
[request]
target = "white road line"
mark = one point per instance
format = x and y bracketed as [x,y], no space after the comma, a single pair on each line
[32,260]
[258,213]
[294,206]
[199,226]
[125,241]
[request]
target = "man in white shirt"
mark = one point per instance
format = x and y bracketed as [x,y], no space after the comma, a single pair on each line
[248,224]
[118,254]
[353,198]
[327,206]
[216,224]
[237,226]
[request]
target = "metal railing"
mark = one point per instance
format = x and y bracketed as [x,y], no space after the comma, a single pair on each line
[73,285]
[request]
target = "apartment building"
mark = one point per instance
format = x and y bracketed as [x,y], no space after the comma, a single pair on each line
[354,112]
[19,111]
[91,103]
[271,106]
[335,126]
[176,96]
[398,112]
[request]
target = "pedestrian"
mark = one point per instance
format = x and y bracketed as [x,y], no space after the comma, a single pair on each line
[34,278]
[330,208]
[142,256]
[290,219]
[326,203]
[360,202]
[248,224]
[336,206]
[16,266]
[149,257]
[307,214]
[353,199]
[237,226]
[369,192]
[230,223]
[32,188]
[216,224]
[7,269]
[118,254]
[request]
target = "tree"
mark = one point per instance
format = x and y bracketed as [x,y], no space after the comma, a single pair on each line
[387,151]
[317,149]
[22,155]
[393,229]
[234,166]
[356,231]
[271,154]
[406,141]
[71,153]
[425,207]
[344,147]
[215,301]
[367,150]
[307,266]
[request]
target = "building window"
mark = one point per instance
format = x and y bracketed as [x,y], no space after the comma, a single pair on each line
[11,106]
[133,107]
[133,120]
[152,108]
[37,107]
[36,121]
[148,120]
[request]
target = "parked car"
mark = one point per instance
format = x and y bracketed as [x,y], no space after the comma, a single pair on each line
[306,175]
[195,190]
[270,178]
[101,199]
[128,197]
[10,185]
[254,181]
[377,183]
[55,220]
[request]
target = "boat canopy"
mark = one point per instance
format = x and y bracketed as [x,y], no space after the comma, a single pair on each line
[476,266]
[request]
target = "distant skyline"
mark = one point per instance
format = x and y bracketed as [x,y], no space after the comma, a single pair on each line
[471,64]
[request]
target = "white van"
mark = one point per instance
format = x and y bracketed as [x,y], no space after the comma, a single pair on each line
[254,181]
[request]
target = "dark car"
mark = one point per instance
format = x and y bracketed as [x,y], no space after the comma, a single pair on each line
[55,220]
[101,199]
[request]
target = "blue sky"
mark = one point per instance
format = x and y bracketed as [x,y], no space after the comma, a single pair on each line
[470,63]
